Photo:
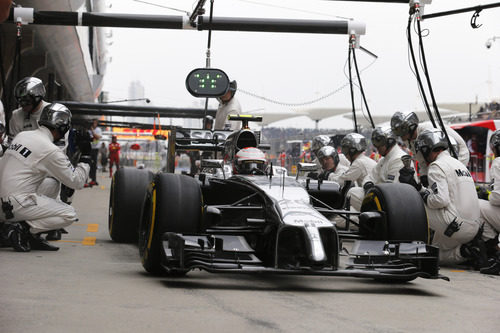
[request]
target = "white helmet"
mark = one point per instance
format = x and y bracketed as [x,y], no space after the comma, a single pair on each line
[249,161]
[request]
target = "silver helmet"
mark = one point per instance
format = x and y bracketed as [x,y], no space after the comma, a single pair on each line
[383,136]
[29,91]
[328,151]
[352,144]
[430,140]
[402,124]
[57,117]
[319,142]
[495,142]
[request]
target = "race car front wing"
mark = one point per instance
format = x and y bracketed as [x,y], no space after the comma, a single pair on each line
[367,259]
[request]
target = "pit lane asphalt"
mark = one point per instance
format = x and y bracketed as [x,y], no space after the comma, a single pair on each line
[95,285]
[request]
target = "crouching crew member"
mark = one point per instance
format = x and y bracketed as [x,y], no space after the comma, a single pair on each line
[330,162]
[30,158]
[353,147]
[387,168]
[490,211]
[451,202]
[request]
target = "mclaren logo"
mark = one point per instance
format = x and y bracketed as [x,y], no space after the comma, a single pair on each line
[462,173]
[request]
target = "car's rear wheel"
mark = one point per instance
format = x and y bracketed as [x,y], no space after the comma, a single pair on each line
[404,210]
[128,189]
[173,204]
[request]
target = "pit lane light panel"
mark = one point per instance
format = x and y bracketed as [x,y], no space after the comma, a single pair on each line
[207,82]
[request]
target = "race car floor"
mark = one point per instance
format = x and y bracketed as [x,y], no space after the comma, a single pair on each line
[95,285]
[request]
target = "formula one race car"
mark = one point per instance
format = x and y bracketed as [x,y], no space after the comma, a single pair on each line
[261,222]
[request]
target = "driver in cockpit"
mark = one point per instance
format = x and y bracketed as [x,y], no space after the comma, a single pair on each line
[249,161]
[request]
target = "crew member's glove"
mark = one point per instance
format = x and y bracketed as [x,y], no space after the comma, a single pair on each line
[424,180]
[367,186]
[482,192]
[85,159]
[85,147]
[424,195]
[406,176]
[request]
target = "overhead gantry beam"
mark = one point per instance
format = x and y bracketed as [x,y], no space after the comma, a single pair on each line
[31,16]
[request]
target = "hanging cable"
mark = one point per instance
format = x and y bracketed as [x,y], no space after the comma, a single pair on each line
[361,87]
[2,70]
[352,91]
[429,86]
[417,74]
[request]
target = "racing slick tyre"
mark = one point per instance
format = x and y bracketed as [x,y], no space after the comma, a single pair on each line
[404,210]
[128,189]
[173,203]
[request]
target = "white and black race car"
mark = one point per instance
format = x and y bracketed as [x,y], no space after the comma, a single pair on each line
[268,223]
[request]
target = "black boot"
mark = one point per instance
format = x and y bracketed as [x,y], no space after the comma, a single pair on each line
[475,253]
[494,266]
[19,236]
[38,243]
[54,235]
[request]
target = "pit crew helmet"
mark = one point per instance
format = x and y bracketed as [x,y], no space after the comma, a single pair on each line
[233,86]
[352,144]
[57,117]
[495,142]
[29,91]
[383,136]
[249,161]
[431,140]
[319,142]
[329,151]
[402,124]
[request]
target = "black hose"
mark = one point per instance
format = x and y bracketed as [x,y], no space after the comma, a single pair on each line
[417,74]
[361,87]
[434,104]
[352,91]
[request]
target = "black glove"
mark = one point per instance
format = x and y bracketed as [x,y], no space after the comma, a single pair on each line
[482,192]
[85,159]
[406,176]
[85,147]
[424,180]
[425,195]
[367,186]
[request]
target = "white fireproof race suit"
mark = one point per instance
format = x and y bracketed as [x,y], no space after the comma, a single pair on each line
[463,150]
[490,210]
[31,157]
[452,196]
[357,172]
[223,111]
[385,171]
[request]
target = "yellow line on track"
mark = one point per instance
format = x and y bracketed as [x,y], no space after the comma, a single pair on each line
[92,227]
[90,241]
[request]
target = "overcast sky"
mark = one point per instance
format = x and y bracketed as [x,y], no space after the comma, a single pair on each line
[296,68]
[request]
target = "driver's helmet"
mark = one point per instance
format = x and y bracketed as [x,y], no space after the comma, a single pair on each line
[430,140]
[29,91]
[383,136]
[319,142]
[329,151]
[352,144]
[57,117]
[402,124]
[249,161]
[495,142]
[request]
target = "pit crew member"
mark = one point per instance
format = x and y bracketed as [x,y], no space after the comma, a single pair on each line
[490,211]
[407,126]
[228,105]
[451,202]
[31,157]
[332,169]
[353,147]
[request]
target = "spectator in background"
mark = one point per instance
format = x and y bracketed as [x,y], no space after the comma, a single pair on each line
[96,134]
[114,155]
[103,151]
